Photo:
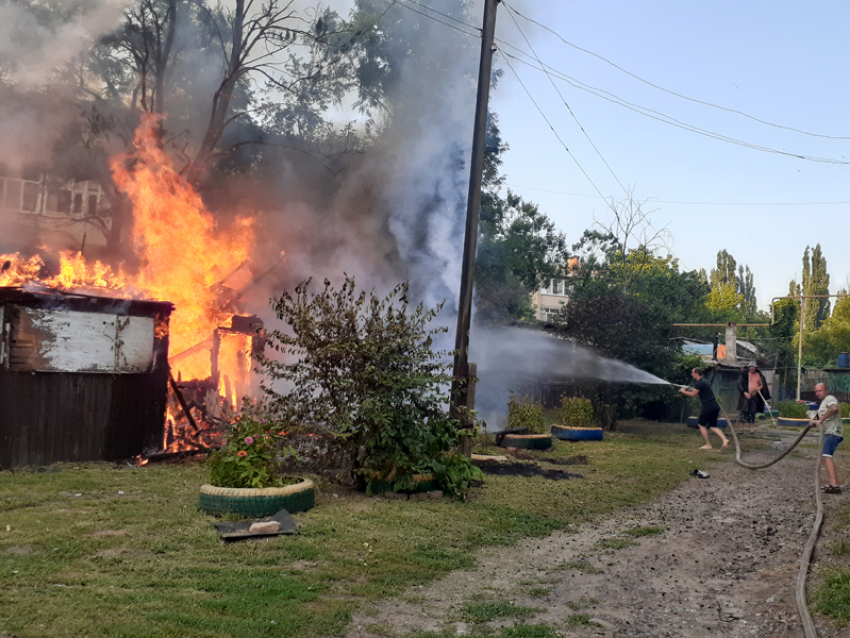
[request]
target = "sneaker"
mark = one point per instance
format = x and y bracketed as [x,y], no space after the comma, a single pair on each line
[700,474]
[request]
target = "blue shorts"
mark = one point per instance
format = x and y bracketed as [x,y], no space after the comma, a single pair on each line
[830,442]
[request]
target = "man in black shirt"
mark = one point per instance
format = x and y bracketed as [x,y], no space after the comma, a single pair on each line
[710,409]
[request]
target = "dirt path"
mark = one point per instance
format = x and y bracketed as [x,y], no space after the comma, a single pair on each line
[726,564]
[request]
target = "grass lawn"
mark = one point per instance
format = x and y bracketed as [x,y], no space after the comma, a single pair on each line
[80,558]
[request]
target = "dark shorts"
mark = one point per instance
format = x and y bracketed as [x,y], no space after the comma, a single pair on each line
[830,442]
[708,415]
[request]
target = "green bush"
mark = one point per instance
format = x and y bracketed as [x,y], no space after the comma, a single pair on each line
[523,412]
[576,413]
[250,457]
[793,410]
[362,368]
[845,410]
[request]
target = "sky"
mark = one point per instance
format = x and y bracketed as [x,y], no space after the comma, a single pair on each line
[782,62]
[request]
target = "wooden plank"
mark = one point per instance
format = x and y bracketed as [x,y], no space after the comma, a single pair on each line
[48,340]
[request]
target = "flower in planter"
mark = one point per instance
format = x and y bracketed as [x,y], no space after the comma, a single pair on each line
[240,463]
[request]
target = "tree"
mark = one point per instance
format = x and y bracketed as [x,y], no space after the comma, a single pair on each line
[815,281]
[632,227]
[519,250]
[823,346]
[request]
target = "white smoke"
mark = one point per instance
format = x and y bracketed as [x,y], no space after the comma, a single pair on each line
[38,39]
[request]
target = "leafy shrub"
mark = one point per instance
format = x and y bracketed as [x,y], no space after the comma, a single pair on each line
[250,457]
[845,410]
[361,367]
[523,412]
[576,412]
[793,410]
[455,473]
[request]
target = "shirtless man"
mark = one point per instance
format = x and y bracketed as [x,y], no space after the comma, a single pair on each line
[710,409]
[829,416]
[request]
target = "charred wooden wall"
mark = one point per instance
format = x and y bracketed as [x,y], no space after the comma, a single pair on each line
[48,415]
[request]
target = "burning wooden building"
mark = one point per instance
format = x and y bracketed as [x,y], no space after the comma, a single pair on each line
[81,377]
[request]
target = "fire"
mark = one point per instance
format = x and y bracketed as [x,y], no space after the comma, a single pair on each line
[74,272]
[184,254]
[185,257]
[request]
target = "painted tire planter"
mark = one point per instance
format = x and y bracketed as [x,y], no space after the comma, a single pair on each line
[527,441]
[693,422]
[424,483]
[568,433]
[784,420]
[258,501]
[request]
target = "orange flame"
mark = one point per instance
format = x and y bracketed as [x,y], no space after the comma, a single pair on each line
[185,258]
[184,253]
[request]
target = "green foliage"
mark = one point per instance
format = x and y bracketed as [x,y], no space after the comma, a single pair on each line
[362,368]
[793,410]
[644,531]
[250,456]
[493,610]
[845,410]
[615,543]
[519,251]
[523,412]
[455,473]
[575,412]
[833,597]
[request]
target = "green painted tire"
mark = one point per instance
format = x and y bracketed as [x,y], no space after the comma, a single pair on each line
[569,433]
[258,502]
[527,441]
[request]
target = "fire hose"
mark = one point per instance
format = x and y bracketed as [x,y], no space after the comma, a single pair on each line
[805,560]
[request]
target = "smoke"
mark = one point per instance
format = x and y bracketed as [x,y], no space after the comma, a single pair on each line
[37,39]
[510,359]
[39,42]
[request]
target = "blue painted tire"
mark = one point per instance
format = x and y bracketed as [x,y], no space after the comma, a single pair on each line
[693,422]
[784,420]
[567,433]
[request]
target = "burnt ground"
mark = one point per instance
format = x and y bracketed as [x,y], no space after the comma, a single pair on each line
[511,468]
[725,564]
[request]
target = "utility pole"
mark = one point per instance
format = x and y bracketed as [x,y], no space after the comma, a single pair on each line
[460,370]
[800,345]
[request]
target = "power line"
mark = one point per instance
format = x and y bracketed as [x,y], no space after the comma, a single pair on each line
[661,88]
[543,115]
[446,15]
[557,90]
[662,201]
[661,117]
[477,34]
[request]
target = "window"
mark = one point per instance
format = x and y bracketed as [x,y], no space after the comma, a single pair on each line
[557,287]
[78,203]
[63,204]
[31,196]
[12,196]
[92,204]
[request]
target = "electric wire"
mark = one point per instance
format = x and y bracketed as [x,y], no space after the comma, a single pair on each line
[661,88]
[563,99]
[663,201]
[431,17]
[661,117]
[543,115]
[446,15]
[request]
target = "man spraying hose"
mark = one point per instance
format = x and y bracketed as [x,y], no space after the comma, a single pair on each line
[829,416]
[710,409]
